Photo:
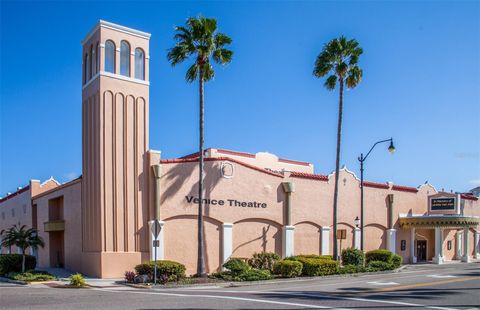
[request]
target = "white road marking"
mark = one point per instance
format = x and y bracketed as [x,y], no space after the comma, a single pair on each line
[288,303]
[441,276]
[382,283]
[398,303]
[227,297]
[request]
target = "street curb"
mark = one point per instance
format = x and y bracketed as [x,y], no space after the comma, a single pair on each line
[7,280]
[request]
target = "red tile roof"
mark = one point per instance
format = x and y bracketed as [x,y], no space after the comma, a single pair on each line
[311,176]
[468,196]
[404,188]
[376,185]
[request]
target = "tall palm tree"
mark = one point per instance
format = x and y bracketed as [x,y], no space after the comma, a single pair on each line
[22,238]
[200,40]
[339,60]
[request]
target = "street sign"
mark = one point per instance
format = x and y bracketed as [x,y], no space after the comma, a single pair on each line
[156,227]
[341,234]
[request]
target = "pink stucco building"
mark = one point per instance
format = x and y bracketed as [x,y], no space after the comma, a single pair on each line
[99,224]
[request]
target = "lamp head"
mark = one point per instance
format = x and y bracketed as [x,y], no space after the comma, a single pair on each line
[357,221]
[391,148]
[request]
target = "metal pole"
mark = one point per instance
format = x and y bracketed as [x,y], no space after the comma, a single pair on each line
[155,255]
[361,201]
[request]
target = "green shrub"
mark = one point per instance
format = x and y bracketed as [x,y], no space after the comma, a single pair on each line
[255,275]
[288,268]
[315,256]
[379,255]
[318,267]
[397,261]
[77,280]
[378,266]
[264,260]
[173,271]
[347,269]
[13,263]
[31,276]
[236,266]
[352,256]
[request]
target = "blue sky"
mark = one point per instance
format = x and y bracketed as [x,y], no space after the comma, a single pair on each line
[421,86]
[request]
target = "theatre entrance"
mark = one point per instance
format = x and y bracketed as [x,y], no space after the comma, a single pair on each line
[421,250]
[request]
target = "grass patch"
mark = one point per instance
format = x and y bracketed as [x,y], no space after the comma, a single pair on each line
[31,276]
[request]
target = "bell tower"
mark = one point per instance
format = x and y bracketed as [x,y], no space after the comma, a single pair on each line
[115,113]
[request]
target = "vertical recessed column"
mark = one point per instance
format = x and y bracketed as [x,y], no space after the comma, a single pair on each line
[356,238]
[227,243]
[458,246]
[413,256]
[465,257]
[288,241]
[158,241]
[391,240]
[477,245]
[325,240]
[438,259]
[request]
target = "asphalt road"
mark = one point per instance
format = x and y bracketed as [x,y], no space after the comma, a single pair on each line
[452,286]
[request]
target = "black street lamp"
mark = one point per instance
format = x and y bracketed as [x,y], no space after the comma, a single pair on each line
[361,159]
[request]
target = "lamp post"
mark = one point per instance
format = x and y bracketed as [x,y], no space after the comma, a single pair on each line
[356,221]
[361,159]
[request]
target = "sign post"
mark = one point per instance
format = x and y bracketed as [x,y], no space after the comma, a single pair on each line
[156,231]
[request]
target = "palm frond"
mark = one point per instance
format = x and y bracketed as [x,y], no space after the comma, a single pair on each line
[192,73]
[331,82]
[222,56]
[208,72]
[221,40]
[178,54]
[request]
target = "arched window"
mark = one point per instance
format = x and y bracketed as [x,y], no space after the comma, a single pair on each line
[97,62]
[85,69]
[139,64]
[92,62]
[125,58]
[110,56]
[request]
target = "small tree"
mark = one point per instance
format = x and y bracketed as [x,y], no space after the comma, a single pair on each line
[22,238]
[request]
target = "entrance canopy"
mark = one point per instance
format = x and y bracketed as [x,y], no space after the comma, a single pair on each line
[444,221]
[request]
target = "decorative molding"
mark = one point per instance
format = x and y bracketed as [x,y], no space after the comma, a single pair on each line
[115,76]
[120,28]
[91,80]
[439,221]
[124,78]
[51,179]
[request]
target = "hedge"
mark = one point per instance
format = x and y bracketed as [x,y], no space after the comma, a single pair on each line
[174,271]
[288,268]
[376,265]
[352,256]
[264,260]
[315,256]
[255,275]
[236,266]
[318,267]
[397,261]
[379,255]
[13,263]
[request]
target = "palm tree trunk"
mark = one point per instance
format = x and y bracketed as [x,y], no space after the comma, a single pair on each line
[337,171]
[201,242]
[23,260]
